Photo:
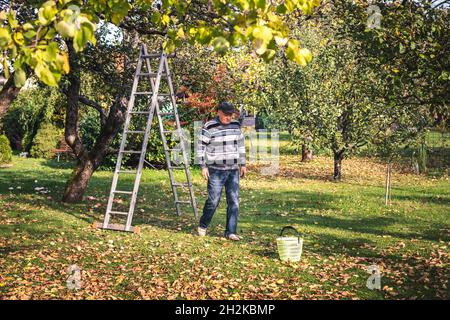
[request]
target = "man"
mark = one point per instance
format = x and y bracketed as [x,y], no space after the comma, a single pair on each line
[221,154]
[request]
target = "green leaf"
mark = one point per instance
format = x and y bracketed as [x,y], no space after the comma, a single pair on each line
[12,20]
[165,19]
[268,55]
[41,17]
[19,78]
[259,46]
[27,26]
[306,54]
[63,62]
[281,9]
[65,29]
[261,4]
[243,4]
[5,37]
[18,38]
[120,10]
[281,41]
[203,35]
[220,44]
[6,68]
[45,75]
[264,33]
[83,36]
[180,33]
[301,56]
[30,34]
[169,46]
[51,52]
[156,17]
[50,10]
[290,5]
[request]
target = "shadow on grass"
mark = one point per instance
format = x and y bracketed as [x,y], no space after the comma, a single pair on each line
[262,213]
[324,245]
[62,164]
[427,199]
[17,248]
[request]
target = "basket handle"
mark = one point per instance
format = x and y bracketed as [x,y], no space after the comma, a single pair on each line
[291,228]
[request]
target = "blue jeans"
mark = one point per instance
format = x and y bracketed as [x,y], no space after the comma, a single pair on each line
[218,179]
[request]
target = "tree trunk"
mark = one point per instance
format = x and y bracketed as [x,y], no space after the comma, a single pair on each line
[8,93]
[77,184]
[307,154]
[338,156]
[88,161]
[82,173]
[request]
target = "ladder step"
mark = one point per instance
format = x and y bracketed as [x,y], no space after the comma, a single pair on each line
[123,192]
[181,184]
[157,55]
[182,201]
[117,227]
[151,56]
[143,93]
[169,131]
[131,131]
[151,74]
[178,167]
[126,171]
[166,113]
[119,213]
[177,150]
[149,93]
[131,151]
[139,112]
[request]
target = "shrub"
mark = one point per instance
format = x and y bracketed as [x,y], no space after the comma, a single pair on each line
[28,112]
[46,139]
[5,150]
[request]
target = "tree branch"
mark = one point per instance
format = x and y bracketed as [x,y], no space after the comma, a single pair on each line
[109,130]
[143,31]
[86,101]
[94,105]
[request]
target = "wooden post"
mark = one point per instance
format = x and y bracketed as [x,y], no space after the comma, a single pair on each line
[390,175]
[387,198]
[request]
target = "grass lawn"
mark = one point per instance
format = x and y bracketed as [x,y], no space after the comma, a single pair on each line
[346,228]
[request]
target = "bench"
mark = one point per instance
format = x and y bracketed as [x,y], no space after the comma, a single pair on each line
[62,149]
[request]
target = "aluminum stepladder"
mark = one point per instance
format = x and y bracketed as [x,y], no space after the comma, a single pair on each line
[154,108]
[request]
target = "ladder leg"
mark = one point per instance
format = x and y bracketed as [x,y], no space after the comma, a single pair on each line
[154,102]
[168,162]
[122,143]
[185,159]
[163,138]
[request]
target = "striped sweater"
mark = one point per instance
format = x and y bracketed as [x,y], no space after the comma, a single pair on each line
[221,146]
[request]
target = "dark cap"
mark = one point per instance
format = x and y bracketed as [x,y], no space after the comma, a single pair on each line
[227,107]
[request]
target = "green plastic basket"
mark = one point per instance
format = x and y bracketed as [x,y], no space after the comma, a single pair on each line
[290,248]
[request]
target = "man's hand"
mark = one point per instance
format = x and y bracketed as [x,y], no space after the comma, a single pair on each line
[205,173]
[243,171]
